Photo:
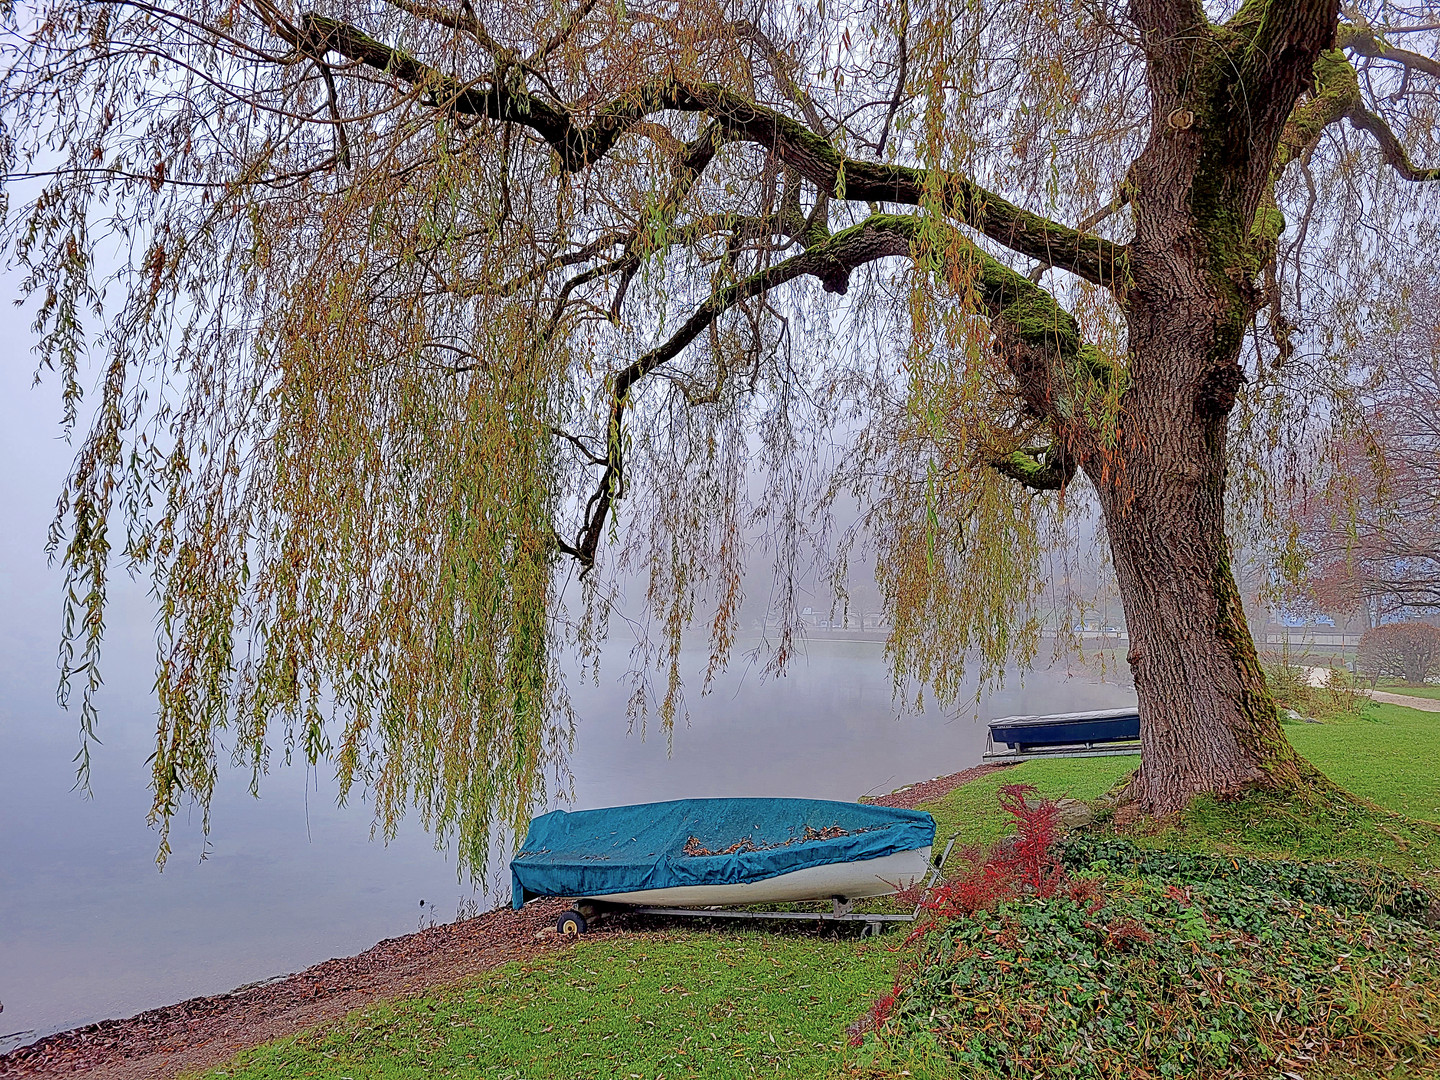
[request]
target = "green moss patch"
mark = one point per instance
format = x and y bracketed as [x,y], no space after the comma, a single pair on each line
[1321,827]
[1387,814]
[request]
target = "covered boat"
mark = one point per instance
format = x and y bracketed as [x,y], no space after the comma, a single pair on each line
[1067,729]
[703,852]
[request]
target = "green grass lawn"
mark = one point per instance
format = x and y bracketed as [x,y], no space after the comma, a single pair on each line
[1390,754]
[1387,755]
[974,812]
[729,1002]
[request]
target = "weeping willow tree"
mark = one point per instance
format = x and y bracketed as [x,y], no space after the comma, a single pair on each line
[420,323]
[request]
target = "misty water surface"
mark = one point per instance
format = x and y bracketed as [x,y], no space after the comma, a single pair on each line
[89,929]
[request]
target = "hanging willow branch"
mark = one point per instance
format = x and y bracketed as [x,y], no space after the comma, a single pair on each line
[413,299]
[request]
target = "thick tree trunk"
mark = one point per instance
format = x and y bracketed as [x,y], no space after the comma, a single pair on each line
[1207,722]
[1204,225]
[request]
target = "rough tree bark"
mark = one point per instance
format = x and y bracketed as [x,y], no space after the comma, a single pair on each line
[1205,224]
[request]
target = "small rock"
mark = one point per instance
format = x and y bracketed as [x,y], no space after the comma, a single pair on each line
[1073,813]
[545,933]
[1070,813]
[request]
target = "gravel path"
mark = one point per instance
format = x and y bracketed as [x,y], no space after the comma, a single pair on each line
[912,795]
[1423,704]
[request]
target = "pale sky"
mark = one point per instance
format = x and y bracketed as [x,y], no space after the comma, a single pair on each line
[35,460]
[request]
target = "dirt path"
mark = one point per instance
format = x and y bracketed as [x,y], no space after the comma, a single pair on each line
[912,795]
[1423,704]
[206,1031]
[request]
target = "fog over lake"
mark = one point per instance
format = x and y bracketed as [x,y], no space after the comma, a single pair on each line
[90,929]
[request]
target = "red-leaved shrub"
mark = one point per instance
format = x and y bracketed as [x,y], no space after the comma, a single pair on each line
[875,1017]
[1024,864]
[1030,853]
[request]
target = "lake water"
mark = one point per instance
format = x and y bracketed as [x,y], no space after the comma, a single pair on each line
[90,929]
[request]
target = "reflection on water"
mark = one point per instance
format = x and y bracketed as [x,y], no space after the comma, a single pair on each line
[89,929]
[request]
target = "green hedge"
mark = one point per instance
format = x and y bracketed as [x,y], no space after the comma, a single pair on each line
[1375,889]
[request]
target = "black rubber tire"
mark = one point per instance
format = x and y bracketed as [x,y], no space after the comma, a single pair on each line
[571,924]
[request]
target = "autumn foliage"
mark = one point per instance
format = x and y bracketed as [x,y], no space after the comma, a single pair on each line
[429,338]
[1025,864]
[1401,650]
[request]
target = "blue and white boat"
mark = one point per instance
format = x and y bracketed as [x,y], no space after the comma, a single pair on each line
[694,853]
[1076,731]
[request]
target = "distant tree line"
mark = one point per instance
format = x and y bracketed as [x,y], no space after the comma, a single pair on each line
[1400,650]
[1366,532]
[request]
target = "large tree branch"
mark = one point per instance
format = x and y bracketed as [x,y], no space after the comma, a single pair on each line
[686,170]
[1284,42]
[1337,97]
[810,155]
[783,71]
[1038,341]
[1284,36]
[511,286]
[1337,90]
[902,70]
[562,33]
[1361,40]
[832,262]
[463,20]
[1047,468]
[1391,148]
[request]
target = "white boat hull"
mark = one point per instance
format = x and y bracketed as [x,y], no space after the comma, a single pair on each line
[847,881]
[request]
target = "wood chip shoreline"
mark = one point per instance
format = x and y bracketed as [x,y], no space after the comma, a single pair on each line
[207,1031]
[912,795]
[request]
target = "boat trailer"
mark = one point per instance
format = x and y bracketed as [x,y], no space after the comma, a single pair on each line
[583,913]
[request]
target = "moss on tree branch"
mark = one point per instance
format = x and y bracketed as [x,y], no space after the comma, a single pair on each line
[1039,341]
[578,146]
[1048,468]
[1337,96]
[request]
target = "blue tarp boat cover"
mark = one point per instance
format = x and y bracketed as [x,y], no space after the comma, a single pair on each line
[631,848]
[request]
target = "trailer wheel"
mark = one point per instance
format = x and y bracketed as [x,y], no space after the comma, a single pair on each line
[571,924]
